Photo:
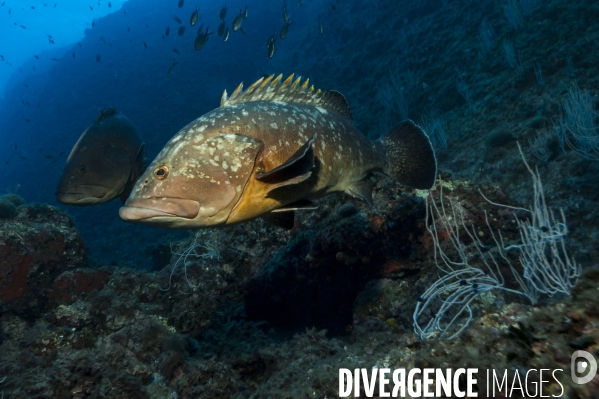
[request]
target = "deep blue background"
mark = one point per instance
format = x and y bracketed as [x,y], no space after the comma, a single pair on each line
[44,111]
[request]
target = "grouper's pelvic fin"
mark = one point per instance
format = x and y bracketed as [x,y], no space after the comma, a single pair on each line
[411,158]
[271,89]
[284,217]
[105,113]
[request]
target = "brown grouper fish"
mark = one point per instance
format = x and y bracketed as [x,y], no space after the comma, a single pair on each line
[268,151]
[104,163]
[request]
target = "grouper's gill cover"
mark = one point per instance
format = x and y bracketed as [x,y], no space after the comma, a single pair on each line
[104,163]
[268,151]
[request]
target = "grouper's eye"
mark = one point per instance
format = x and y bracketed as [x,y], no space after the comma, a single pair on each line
[161,172]
[81,169]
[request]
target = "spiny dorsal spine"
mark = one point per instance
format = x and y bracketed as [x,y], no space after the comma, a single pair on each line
[271,89]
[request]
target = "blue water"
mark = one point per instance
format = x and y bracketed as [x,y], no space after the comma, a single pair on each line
[48,103]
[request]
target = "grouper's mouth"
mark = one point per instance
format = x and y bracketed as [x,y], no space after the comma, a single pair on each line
[144,209]
[82,194]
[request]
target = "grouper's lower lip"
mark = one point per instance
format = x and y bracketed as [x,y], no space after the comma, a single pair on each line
[147,208]
[83,193]
[76,198]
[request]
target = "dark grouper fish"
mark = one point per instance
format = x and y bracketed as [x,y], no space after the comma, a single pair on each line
[266,152]
[104,163]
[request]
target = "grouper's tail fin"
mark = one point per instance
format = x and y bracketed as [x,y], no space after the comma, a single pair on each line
[411,158]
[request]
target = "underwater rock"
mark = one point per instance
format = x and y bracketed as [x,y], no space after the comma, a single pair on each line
[71,284]
[36,246]
[7,209]
[315,279]
[14,198]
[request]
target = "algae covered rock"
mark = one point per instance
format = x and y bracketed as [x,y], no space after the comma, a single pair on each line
[15,199]
[8,210]
[36,245]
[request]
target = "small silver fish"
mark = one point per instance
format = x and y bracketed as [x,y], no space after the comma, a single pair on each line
[271,47]
[226,35]
[236,25]
[171,68]
[194,17]
[284,30]
[202,38]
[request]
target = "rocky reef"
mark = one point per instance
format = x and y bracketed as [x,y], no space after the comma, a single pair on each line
[255,311]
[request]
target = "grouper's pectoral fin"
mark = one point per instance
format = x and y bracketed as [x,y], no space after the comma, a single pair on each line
[361,189]
[285,183]
[284,220]
[295,170]
[298,164]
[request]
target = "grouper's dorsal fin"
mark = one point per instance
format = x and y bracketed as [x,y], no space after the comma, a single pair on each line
[105,113]
[292,91]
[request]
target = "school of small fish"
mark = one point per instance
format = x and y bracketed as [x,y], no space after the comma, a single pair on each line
[203,34]
[227,25]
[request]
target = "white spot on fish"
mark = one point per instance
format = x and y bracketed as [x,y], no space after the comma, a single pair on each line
[224,165]
[274,125]
[230,137]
